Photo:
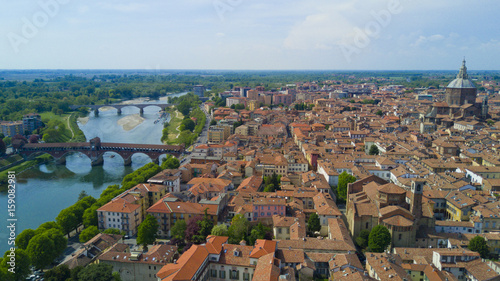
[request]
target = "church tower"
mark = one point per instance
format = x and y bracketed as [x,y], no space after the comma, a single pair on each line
[484,108]
[461,90]
[417,188]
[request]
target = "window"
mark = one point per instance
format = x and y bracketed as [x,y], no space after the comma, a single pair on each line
[234,274]
[213,273]
[279,230]
[366,226]
[400,236]
[246,276]
[222,274]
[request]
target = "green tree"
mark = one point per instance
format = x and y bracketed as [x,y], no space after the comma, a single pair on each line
[187,124]
[41,250]
[170,163]
[259,232]
[206,225]
[23,239]
[59,240]
[90,216]
[344,179]
[22,265]
[362,239]
[88,233]
[82,195]
[379,112]
[184,107]
[47,226]
[219,230]
[67,220]
[116,276]
[313,223]
[58,273]
[213,122]
[379,239]
[75,271]
[373,150]
[179,229]
[96,272]
[3,147]
[114,231]
[478,244]
[238,230]
[146,232]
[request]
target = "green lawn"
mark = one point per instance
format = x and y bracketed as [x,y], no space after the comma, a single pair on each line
[175,121]
[72,132]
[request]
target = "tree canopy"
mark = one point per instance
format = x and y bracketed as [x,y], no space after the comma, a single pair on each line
[178,230]
[22,265]
[362,239]
[313,223]
[170,163]
[374,150]
[478,244]
[219,230]
[147,231]
[379,239]
[96,272]
[260,232]
[88,233]
[238,230]
[344,179]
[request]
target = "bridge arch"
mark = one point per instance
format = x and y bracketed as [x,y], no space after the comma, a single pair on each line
[108,155]
[142,154]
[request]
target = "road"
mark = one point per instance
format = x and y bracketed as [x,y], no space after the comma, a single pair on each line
[203,138]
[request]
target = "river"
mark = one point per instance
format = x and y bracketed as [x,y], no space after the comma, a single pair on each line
[42,192]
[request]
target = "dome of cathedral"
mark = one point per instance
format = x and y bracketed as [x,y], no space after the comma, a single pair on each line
[462,80]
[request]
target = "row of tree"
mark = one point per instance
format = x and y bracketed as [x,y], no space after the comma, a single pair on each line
[43,245]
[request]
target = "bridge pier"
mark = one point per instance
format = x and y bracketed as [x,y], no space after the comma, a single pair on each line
[156,160]
[141,111]
[119,111]
[96,112]
[61,160]
[127,161]
[96,161]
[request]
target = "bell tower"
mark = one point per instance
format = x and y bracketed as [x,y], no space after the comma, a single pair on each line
[417,188]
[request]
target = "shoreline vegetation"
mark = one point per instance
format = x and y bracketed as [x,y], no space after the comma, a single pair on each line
[42,159]
[186,121]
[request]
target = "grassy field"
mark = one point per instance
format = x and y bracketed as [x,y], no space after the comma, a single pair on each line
[46,116]
[173,127]
[72,133]
[9,160]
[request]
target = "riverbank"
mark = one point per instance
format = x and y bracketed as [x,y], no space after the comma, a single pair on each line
[21,168]
[77,134]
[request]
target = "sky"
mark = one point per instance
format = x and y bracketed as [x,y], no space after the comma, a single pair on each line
[250,34]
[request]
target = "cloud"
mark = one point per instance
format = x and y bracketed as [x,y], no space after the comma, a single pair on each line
[219,34]
[318,31]
[422,40]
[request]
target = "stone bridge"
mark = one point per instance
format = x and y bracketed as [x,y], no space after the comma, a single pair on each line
[95,150]
[119,107]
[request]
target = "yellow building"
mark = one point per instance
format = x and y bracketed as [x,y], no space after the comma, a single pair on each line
[253,104]
[458,206]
